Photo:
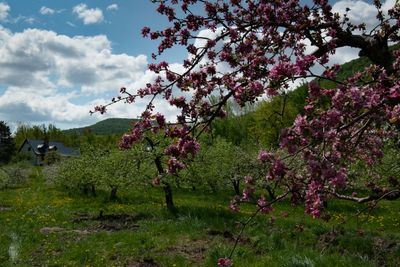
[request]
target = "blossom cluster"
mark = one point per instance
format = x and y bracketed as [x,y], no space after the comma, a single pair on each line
[257,48]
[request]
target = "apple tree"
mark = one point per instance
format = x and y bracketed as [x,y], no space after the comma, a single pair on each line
[257,48]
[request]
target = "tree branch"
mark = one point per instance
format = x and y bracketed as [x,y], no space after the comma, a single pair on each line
[391,195]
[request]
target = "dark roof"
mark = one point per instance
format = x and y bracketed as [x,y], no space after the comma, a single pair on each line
[37,147]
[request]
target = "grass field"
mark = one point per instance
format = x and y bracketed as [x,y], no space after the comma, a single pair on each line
[44,226]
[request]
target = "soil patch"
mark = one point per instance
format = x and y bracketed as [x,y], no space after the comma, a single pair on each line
[328,239]
[52,230]
[384,250]
[228,235]
[225,234]
[191,250]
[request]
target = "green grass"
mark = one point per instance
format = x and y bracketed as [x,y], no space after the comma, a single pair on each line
[198,235]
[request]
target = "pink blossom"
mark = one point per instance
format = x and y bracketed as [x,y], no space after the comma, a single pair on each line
[314,203]
[234,204]
[248,180]
[172,150]
[265,156]
[160,120]
[340,179]
[224,262]
[145,31]
[188,146]
[247,193]
[283,69]
[264,206]
[174,165]
[300,123]
[277,169]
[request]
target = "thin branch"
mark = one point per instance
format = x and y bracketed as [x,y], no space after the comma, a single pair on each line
[251,218]
[215,113]
[360,117]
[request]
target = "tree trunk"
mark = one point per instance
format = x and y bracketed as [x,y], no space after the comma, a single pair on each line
[166,186]
[212,187]
[113,193]
[93,190]
[236,187]
[85,190]
[168,198]
[270,192]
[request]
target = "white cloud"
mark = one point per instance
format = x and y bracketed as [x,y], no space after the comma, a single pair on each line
[388,5]
[39,107]
[343,55]
[361,11]
[56,78]
[20,18]
[30,20]
[88,15]
[46,11]
[4,9]
[112,7]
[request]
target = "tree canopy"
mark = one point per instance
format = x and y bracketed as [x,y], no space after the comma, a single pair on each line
[255,49]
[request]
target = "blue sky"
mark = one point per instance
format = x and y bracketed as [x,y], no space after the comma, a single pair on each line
[121,21]
[60,58]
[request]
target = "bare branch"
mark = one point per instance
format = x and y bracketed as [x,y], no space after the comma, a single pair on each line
[391,195]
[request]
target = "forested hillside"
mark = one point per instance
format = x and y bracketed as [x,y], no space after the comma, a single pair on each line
[105,127]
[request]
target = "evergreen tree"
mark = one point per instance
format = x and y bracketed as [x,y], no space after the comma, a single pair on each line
[7,146]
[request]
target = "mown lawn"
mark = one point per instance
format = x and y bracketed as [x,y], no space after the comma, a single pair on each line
[44,226]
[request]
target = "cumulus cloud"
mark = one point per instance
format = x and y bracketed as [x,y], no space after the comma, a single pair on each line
[388,5]
[39,107]
[4,9]
[88,15]
[112,7]
[46,11]
[361,11]
[48,77]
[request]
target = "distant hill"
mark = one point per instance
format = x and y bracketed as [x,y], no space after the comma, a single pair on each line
[105,127]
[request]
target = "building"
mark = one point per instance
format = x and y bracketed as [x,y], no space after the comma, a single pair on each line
[39,148]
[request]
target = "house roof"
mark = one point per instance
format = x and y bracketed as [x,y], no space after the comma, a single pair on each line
[38,145]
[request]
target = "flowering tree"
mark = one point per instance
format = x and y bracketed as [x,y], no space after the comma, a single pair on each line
[256,48]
